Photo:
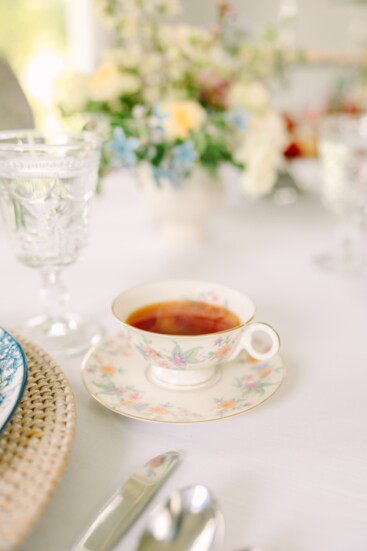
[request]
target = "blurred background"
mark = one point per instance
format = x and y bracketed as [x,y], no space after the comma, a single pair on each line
[39,40]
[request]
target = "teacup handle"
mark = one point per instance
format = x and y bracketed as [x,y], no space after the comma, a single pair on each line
[247,341]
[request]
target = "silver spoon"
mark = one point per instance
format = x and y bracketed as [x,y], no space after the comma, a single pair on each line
[189,520]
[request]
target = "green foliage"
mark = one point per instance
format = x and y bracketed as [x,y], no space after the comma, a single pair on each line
[177,95]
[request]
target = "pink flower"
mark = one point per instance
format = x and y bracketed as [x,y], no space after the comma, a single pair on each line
[162,363]
[133,396]
[179,361]
[213,90]
[251,386]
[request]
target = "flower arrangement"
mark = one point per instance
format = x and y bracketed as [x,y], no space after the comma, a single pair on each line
[173,96]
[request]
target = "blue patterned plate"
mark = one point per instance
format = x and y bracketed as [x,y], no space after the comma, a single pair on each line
[13,376]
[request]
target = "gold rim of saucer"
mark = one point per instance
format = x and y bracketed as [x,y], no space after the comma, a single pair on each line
[173,395]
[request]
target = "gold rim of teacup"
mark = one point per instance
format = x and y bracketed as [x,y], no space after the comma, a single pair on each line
[127,325]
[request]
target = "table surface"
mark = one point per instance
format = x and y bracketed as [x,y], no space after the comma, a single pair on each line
[289,475]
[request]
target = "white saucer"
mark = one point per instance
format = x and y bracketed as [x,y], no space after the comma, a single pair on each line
[115,375]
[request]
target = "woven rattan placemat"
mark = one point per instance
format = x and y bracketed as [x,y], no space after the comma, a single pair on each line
[34,446]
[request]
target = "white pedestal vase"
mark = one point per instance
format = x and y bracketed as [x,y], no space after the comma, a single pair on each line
[182,212]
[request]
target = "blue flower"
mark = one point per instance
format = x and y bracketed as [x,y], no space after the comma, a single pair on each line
[122,148]
[162,174]
[238,118]
[158,118]
[184,156]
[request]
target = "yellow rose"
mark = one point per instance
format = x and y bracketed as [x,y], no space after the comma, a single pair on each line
[108,83]
[184,115]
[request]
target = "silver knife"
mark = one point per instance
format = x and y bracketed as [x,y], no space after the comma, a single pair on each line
[123,508]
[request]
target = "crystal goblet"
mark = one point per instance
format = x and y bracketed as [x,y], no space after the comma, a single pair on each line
[343,153]
[46,183]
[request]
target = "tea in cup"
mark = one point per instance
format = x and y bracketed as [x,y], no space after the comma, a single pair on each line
[188,330]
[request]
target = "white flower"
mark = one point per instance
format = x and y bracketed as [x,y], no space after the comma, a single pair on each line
[188,40]
[71,91]
[151,64]
[125,58]
[250,96]
[139,111]
[129,26]
[103,14]
[151,94]
[183,116]
[262,153]
[175,71]
[217,61]
[108,83]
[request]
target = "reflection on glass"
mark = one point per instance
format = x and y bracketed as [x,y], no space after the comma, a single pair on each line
[46,183]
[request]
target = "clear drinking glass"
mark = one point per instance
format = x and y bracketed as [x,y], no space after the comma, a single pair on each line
[343,153]
[46,183]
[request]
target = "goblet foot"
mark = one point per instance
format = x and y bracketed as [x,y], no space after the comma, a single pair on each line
[68,336]
[183,379]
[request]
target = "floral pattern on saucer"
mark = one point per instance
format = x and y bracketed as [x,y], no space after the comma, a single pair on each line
[13,375]
[115,375]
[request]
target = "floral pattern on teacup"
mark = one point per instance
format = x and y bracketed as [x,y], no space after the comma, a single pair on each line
[209,296]
[178,357]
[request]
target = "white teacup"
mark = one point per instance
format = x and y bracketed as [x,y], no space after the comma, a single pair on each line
[184,362]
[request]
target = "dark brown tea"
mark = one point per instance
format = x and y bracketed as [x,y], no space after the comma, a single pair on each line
[183,317]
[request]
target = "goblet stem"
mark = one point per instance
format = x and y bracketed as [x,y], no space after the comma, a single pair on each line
[347,243]
[58,330]
[55,299]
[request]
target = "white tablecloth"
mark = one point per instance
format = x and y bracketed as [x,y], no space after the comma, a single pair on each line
[290,475]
